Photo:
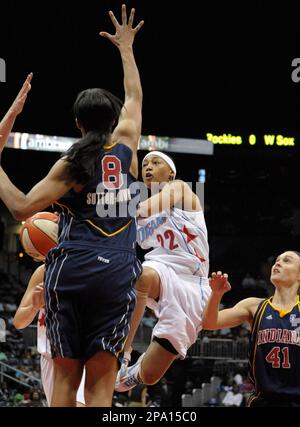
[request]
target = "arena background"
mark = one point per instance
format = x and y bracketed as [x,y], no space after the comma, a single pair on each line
[220,72]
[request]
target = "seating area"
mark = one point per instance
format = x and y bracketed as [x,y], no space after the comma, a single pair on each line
[201,396]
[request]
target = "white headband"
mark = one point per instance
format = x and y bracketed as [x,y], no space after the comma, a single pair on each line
[163,156]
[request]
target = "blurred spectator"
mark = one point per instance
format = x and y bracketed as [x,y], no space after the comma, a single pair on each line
[18,398]
[233,397]
[166,393]
[138,396]
[3,357]
[188,387]
[35,398]
[248,282]
[246,388]
[226,333]
[243,335]
[149,319]
[261,283]
[238,379]
[4,393]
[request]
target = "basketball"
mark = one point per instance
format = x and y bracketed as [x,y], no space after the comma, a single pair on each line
[39,234]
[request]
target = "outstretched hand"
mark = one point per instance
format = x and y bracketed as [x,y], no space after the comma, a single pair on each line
[18,104]
[125,33]
[219,283]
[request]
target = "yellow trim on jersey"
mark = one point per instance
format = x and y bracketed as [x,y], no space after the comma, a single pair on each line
[64,206]
[252,399]
[258,313]
[123,345]
[108,147]
[95,226]
[281,311]
[256,324]
[107,234]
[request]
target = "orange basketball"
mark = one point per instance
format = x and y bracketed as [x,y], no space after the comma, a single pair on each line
[39,234]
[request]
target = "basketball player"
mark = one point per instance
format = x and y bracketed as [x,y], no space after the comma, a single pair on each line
[15,109]
[175,272]
[90,275]
[275,334]
[32,304]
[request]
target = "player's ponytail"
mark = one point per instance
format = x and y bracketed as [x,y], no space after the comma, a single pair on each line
[82,156]
[97,112]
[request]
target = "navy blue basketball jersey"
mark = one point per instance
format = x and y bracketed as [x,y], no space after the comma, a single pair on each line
[275,350]
[103,212]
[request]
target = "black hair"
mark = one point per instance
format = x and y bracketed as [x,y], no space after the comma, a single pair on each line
[97,112]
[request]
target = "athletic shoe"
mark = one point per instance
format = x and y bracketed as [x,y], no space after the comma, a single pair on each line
[131,379]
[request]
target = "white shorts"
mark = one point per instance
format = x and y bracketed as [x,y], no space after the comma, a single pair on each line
[47,370]
[180,307]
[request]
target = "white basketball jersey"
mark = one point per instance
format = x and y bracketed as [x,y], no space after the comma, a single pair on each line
[43,345]
[179,239]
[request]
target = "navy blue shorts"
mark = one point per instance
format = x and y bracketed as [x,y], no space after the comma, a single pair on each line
[90,297]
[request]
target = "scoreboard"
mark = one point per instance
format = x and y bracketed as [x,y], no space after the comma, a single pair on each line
[253,140]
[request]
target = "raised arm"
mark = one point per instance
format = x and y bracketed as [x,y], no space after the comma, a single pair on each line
[242,312]
[128,129]
[15,109]
[32,300]
[42,195]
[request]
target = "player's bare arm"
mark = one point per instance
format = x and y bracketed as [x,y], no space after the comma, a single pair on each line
[129,127]
[123,39]
[42,195]
[242,312]
[15,109]
[174,194]
[32,300]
